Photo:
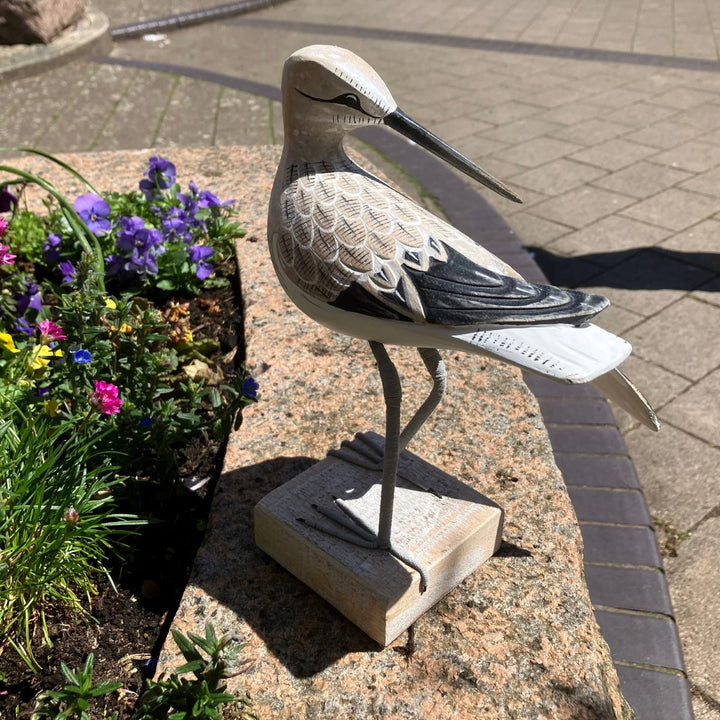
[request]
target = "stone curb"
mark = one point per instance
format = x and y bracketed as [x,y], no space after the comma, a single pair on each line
[194,17]
[90,34]
[93,35]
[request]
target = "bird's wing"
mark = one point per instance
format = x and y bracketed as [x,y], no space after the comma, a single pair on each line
[352,241]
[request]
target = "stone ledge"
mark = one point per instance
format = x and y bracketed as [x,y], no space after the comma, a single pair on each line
[518,638]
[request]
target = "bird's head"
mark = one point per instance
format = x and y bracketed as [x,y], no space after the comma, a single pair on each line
[330,88]
[328,91]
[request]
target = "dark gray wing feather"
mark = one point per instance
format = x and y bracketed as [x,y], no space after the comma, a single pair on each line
[459,292]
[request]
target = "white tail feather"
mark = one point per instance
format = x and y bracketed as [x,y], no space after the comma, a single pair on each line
[564,352]
[615,386]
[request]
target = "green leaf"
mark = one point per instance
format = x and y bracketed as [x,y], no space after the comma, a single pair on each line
[207,645]
[186,647]
[70,676]
[105,688]
[191,667]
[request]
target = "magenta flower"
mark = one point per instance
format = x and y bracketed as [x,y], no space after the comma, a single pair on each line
[50,331]
[6,257]
[106,398]
[3,226]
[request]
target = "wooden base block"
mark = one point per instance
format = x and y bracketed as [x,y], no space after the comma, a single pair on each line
[449,533]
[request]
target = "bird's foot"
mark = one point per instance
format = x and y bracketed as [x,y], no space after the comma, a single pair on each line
[338,520]
[367,450]
[364,450]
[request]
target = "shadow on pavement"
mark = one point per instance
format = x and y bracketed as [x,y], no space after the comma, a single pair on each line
[645,268]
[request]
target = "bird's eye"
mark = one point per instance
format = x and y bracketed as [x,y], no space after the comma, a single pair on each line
[351,100]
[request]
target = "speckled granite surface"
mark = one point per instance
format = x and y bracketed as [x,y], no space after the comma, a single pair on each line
[517,639]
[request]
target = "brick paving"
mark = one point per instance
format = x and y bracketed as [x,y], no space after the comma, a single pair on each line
[603,114]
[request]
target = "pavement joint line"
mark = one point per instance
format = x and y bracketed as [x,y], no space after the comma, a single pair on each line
[655,668]
[624,566]
[216,115]
[635,613]
[163,113]
[515,47]
[607,524]
[113,111]
[703,440]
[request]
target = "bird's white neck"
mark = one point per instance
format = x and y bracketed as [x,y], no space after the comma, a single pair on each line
[314,144]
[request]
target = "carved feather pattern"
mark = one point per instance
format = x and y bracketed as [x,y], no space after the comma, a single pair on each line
[349,239]
[340,225]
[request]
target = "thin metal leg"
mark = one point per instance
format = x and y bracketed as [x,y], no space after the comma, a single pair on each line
[392,390]
[436,367]
[339,520]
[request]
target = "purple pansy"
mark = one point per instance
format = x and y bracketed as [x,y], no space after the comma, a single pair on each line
[68,271]
[143,245]
[8,201]
[51,248]
[30,299]
[129,234]
[210,200]
[176,225]
[250,387]
[198,254]
[94,211]
[114,265]
[159,176]
[23,326]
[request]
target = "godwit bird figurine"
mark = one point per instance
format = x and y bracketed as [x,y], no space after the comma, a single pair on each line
[363,259]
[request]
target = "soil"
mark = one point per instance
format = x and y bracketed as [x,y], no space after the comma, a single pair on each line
[131,615]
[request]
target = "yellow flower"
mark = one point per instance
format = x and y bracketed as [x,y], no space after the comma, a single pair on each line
[110,303]
[188,336]
[51,407]
[127,329]
[40,356]
[7,342]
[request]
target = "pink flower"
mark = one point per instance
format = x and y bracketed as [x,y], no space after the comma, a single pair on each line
[50,331]
[106,398]
[3,226]
[6,257]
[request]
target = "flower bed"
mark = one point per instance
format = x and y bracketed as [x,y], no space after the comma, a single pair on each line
[118,385]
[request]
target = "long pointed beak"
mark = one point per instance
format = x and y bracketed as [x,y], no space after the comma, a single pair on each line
[405,125]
